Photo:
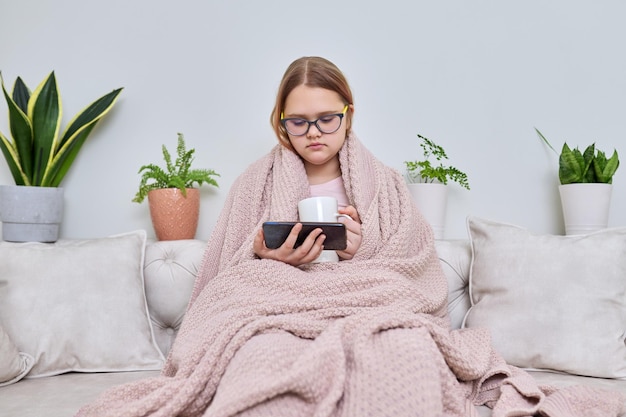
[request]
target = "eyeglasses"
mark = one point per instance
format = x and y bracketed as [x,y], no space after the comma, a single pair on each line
[329,123]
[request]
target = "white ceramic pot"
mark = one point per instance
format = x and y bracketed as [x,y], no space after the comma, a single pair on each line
[431,199]
[585,207]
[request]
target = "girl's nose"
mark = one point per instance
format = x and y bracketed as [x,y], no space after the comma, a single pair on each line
[313,131]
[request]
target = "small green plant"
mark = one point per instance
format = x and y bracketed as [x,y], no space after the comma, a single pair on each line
[591,166]
[425,171]
[178,175]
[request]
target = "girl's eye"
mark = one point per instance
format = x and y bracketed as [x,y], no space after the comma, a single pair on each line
[327,119]
[298,122]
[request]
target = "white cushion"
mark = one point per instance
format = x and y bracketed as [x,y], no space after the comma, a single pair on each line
[551,302]
[13,364]
[79,305]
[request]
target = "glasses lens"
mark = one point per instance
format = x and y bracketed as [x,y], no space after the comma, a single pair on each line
[296,127]
[329,124]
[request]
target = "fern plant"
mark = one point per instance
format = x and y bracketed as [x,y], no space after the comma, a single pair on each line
[425,171]
[177,174]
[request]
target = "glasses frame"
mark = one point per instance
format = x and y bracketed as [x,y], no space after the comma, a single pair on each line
[341,115]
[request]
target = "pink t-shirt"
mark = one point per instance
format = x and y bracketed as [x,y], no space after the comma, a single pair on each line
[332,188]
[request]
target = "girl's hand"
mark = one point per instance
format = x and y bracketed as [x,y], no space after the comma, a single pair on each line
[310,249]
[353,230]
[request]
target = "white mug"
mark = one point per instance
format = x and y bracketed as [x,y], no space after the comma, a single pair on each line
[321,209]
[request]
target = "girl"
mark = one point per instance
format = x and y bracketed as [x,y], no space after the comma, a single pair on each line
[312,117]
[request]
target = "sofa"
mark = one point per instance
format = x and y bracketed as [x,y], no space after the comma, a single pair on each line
[52,384]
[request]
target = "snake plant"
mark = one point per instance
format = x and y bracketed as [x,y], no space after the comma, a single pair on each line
[590,166]
[37,155]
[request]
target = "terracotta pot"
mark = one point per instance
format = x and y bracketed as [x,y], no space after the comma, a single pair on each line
[174,216]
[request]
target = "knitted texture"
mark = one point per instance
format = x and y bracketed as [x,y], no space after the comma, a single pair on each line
[365,337]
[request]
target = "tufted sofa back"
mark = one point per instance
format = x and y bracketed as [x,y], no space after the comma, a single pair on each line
[171,267]
[456,257]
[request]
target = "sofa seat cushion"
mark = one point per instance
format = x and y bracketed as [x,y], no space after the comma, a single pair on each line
[61,395]
[563,379]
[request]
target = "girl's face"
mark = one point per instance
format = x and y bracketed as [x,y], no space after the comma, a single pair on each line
[317,149]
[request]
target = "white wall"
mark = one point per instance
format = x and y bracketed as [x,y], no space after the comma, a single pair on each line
[475,76]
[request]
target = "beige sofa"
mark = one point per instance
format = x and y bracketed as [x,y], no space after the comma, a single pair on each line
[169,271]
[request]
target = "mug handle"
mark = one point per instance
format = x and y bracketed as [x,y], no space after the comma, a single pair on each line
[343,215]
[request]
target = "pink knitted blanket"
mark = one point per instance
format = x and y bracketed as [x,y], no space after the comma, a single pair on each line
[366,337]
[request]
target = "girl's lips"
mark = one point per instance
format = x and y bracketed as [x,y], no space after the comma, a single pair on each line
[315,145]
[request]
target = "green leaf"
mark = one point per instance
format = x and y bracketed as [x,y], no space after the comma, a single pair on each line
[21,94]
[45,112]
[545,140]
[75,136]
[20,162]
[11,157]
[571,165]
[90,115]
[63,160]
[605,169]
[589,174]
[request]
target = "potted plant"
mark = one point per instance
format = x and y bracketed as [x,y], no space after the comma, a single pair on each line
[173,200]
[428,180]
[585,188]
[39,157]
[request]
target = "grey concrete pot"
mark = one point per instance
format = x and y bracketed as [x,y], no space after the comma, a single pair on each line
[30,214]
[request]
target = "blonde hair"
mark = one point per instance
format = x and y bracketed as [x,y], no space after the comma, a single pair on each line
[311,71]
